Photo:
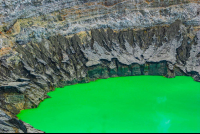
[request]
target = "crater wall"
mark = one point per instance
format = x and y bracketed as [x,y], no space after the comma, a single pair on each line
[46,44]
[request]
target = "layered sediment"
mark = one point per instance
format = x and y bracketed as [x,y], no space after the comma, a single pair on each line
[46,44]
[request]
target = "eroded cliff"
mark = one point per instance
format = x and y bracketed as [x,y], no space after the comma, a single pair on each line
[53,43]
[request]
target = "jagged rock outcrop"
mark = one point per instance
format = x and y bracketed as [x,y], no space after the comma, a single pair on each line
[12,125]
[53,43]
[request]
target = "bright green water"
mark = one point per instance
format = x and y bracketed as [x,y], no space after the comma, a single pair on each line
[125,104]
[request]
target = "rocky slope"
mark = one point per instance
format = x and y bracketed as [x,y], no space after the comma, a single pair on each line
[53,43]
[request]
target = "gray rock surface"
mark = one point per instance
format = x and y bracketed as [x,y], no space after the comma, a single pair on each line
[12,125]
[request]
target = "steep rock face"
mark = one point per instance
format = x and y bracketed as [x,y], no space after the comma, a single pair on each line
[12,125]
[53,43]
